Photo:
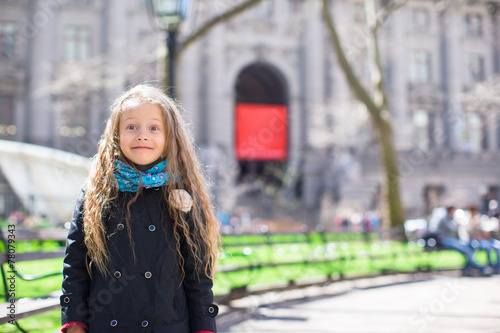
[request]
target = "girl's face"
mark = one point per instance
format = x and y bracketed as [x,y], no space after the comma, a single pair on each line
[142,134]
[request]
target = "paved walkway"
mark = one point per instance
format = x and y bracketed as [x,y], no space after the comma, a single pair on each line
[440,305]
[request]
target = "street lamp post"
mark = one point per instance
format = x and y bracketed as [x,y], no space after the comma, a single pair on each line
[170,14]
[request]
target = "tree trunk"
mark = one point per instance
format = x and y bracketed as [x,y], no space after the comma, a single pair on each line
[376,104]
[393,207]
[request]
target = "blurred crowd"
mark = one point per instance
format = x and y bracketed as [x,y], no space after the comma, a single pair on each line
[357,222]
[467,231]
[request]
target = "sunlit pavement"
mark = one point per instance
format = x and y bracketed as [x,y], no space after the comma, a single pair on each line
[441,304]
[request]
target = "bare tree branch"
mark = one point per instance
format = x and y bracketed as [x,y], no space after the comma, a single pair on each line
[201,32]
[360,91]
[387,10]
[376,70]
[216,20]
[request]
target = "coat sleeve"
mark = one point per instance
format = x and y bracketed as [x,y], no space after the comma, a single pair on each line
[76,280]
[198,289]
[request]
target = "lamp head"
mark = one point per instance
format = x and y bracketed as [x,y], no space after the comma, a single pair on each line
[171,12]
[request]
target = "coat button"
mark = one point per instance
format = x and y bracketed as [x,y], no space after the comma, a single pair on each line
[120,226]
[144,323]
[211,309]
[117,274]
[148,275]
[152,228]
[66,299]
[114,322]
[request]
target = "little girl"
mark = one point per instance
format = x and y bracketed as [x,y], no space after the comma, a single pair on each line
[143,239]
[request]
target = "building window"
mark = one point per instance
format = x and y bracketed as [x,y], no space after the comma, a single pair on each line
[85,3]
[433,195]
[420,20]
[74,120]
[422,129]
[263,10]
[7,127]
[76,43]
[293,6]
[7,39]
[432,130]
[485,138]
[420,66]
[498,132]
[476,126]
[475,68]
[473,25]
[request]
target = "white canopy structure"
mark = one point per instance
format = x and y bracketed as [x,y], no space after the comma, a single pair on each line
[46,180]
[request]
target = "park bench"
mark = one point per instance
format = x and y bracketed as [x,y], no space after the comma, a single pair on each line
[334,267]
[23,308]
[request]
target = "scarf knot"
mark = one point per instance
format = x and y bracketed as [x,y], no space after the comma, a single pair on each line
[129,179]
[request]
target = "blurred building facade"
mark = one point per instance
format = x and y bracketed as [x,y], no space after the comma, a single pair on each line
[61,62]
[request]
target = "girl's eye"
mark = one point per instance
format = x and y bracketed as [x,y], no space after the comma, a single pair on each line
[130,127]
[155,128]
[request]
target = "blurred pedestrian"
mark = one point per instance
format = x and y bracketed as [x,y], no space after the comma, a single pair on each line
[447,230]
[481,239]
[345,224]
[493,209]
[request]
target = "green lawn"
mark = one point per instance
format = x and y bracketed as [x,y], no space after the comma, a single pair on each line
[48,322]
[347,254]
[37,288]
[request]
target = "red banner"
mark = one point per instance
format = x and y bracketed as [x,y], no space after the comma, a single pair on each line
[261,132]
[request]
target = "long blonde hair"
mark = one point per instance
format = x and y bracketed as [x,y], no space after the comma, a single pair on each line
[202,235]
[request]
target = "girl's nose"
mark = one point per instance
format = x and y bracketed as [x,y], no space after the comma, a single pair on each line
[142,135]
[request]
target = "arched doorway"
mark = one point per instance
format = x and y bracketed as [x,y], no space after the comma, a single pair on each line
[261,129]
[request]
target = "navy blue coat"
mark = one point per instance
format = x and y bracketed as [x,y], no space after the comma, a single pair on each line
[145,295]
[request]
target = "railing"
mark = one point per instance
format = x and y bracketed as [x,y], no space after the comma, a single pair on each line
[8,261]
[273,261]
[285,259]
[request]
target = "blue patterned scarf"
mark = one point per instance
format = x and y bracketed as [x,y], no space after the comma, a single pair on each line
[129,180]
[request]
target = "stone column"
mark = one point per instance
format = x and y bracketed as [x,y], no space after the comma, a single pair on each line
[313,62]
[493,121]
[453,76]
[491,129]
[189,83]
[116,44]
[42,22]
[398,96]
[312,69]
[495,33]
[218,118]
